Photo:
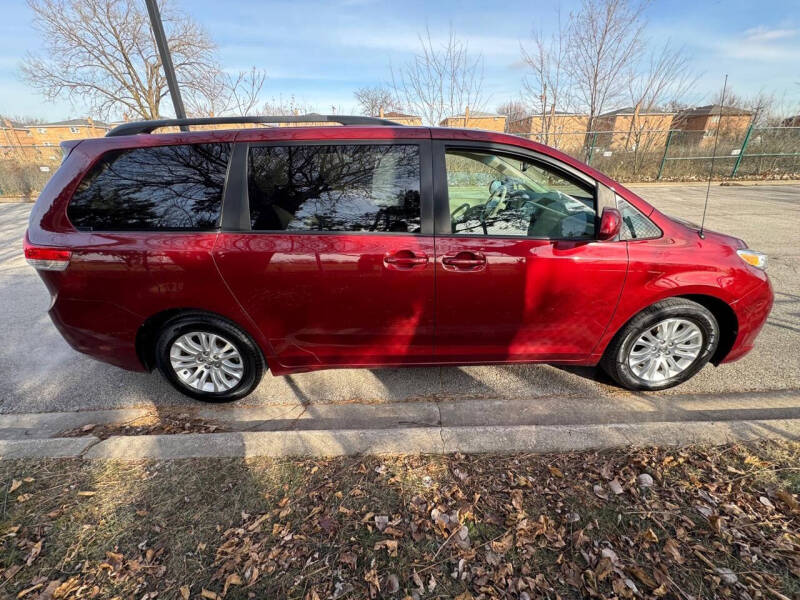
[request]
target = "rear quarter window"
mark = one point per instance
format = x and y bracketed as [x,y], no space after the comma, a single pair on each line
[635,226]
[158,188]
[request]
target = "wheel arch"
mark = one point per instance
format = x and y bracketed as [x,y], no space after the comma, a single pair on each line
[726,319]
[147,333]
[722,311]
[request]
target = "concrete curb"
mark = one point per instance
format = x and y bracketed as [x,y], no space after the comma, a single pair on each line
[45,448]
[434,440]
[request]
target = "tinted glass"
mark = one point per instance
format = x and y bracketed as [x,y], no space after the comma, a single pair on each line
[493,194]
[166,187]
[634,224]
[334,188]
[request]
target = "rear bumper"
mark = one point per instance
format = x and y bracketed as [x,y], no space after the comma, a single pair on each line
[101,330]
[751,311]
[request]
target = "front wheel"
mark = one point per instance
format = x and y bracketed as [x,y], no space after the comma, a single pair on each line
[662,346]
[208,358]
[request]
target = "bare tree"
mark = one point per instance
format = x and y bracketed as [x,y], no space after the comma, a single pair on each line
[547,85]
[513,110]
[605,39]
[440,81]
[371,100]
[102,54]
[281,106]
[654,84]
[223,93]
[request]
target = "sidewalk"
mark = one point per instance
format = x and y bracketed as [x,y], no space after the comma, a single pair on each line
[543,425]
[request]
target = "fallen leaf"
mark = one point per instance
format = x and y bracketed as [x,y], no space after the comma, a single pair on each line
[671,548]
[209,595]
[381,521]
[24,497]
[35,551]
[788,499]
[349,559]
[600,492]
[642,576]
[27,591]
[86,493]
[555,472]
[615,486]
[390,545]
[15,483]
[185,592]
[232,579]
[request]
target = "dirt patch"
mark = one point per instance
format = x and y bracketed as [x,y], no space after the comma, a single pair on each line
[154,423]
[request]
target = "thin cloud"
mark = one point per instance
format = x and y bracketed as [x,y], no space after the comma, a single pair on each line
[763,33]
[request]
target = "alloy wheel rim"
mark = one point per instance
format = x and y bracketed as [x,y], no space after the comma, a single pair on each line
[206,362]
[665,350]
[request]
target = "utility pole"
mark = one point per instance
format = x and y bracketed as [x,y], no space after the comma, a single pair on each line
[166,60]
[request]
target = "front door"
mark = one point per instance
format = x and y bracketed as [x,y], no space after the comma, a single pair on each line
[519,274]
[337,267]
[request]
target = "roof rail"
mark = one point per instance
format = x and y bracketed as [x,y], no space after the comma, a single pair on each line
[135,127]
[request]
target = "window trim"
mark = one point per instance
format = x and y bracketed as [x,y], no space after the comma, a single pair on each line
[237,202]
[170,230]
[441,194]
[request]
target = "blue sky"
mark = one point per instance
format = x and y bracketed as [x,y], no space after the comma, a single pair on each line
[321,51]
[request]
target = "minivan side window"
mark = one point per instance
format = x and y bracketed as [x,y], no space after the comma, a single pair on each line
[158,188]
[500,195]
[363,187]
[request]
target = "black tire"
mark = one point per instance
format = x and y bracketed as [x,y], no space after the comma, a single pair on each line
[615,359]
[251,358]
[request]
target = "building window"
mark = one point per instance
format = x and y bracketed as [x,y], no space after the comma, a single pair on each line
[74,130]
[47,143]
[42,130]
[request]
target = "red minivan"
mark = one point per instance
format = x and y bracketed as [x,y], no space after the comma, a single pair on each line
[216,254]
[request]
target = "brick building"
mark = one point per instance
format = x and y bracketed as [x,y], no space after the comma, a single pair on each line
[566,131]
[700,124]
[476,120]
[40,142]
[630,128]
[402,118]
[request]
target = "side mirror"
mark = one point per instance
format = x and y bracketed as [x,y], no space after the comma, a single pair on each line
[610,224]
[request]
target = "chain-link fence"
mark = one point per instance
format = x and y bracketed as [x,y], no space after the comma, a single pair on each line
[681,155]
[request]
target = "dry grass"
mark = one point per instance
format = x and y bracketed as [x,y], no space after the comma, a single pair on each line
[716,523]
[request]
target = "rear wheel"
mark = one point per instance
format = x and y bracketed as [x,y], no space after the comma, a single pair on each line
[662,346]
[208,358]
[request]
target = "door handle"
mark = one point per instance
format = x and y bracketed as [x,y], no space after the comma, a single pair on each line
[405,259]
[464,261]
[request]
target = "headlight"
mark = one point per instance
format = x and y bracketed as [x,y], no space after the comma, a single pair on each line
[753,258]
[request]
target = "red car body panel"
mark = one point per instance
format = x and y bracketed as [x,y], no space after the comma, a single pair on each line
[330,300]
[534,300]
[333,300]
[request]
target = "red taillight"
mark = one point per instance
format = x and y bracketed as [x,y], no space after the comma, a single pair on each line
[46,258]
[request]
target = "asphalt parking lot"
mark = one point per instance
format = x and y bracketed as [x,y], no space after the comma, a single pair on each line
[40,373]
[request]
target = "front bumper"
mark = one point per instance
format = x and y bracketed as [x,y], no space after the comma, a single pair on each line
[751,311]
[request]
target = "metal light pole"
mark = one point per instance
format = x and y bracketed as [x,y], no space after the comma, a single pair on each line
[166,60]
